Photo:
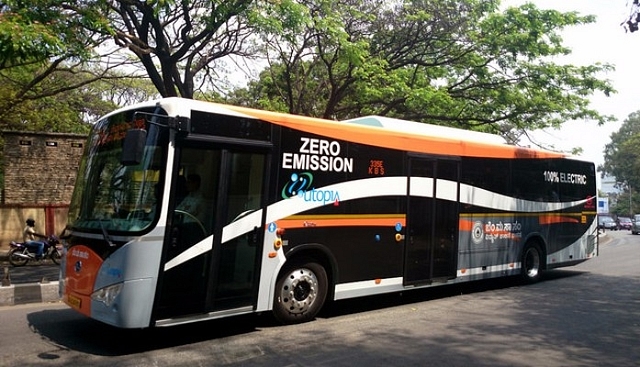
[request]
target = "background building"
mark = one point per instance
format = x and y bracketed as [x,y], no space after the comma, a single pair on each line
[39,174]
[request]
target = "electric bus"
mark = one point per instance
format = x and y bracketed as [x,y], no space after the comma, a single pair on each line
[295,212]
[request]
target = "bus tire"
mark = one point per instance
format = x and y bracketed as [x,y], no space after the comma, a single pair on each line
[301,290]
[532,263]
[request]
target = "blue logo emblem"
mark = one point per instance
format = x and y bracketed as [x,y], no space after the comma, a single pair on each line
[299,183]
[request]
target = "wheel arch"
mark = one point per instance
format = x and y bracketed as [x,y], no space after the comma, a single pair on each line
[536,239]
[319,253]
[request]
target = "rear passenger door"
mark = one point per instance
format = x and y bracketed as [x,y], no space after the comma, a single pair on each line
[432,220]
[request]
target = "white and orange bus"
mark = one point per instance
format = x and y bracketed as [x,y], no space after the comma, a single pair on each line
[294,211]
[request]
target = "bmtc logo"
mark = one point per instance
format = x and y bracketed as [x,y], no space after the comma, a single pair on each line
[302,185]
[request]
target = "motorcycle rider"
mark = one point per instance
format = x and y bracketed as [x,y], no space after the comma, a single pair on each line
[29,235]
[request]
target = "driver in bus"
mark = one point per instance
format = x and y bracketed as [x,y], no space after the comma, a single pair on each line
[194,202]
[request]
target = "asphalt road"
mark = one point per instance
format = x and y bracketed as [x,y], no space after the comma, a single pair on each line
[31,273]
[587,315]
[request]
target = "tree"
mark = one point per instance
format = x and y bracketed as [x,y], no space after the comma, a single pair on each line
[622,154]
[179,45]
[66,100]
[631,23]
[449,62]
[311,69]
[176,41]
[47,49]
[35,31]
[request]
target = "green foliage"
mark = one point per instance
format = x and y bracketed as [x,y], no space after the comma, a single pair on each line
[37,30]
[624,205]
[622,154]
[450,62]
[462,63]
[55,112]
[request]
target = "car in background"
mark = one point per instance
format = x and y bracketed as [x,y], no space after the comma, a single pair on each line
[624,223]
[607,222]
[635,224]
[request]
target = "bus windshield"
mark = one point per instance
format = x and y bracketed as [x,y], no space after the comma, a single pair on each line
[113,197]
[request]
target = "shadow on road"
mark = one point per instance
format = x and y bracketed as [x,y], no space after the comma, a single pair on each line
[76,332]
[364,304]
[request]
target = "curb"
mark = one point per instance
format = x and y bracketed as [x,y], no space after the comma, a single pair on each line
[20,294]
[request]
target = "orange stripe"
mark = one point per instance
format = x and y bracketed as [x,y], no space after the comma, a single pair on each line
[554,219]
[340,222]
[393,139]
[465,225]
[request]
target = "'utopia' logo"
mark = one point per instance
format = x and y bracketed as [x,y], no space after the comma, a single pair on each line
[299,184]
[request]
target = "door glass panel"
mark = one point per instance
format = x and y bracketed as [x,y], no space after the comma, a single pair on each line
[420,215]
[432,223]
[445,217]
[238,257]
[196,191]
[185,282]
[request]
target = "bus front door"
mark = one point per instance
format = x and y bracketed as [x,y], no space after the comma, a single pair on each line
[431,236]
[201,273]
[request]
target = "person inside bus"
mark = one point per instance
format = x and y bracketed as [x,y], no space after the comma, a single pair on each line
[155,202]
[29,235]
[194,202]
[181,188]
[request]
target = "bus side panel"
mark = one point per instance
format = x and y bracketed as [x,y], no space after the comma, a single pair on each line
[489,242]
[361,252]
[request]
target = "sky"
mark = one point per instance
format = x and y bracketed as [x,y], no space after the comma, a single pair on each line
[604,41]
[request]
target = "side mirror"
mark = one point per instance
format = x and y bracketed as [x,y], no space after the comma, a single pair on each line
[133,147]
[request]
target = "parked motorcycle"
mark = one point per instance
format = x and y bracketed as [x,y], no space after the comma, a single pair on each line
[20,254]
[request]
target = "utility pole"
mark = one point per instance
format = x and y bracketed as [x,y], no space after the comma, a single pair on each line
[630,202]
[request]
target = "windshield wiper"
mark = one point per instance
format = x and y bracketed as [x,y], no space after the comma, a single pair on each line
[105,234]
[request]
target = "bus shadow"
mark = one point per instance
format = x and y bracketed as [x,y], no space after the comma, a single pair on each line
[363,304]
[69,330]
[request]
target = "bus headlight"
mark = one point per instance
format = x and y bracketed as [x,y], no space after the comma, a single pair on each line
[108,294]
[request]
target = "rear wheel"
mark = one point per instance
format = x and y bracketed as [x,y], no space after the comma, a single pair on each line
[15,259]
[532,263]
[301,290]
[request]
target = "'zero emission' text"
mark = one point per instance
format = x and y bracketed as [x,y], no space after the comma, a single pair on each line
[317,155]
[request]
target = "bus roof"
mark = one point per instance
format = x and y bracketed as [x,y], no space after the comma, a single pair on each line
[396,134]
[427,129]
[376,131]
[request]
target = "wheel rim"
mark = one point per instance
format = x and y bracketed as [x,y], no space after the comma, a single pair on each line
[532,263]
[299,291]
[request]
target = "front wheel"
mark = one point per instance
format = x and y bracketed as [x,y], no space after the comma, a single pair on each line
[55,256]
[15,259]
[532,263]
[301,290]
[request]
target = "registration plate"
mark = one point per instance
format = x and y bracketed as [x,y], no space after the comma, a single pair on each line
[74,301]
